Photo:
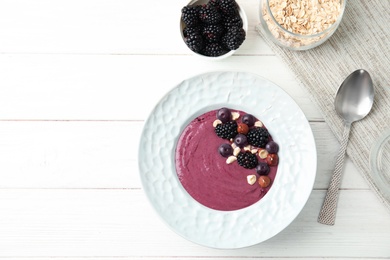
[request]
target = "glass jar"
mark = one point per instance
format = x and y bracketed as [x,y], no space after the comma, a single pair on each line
[380,164]
[300,24]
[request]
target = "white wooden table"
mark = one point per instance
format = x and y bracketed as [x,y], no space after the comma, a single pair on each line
[77,80]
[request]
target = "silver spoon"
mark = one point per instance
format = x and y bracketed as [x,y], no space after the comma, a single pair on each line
[353,102]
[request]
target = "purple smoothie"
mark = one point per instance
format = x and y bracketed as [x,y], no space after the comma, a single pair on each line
[204,173]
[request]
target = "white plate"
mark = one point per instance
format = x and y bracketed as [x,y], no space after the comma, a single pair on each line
[287,125]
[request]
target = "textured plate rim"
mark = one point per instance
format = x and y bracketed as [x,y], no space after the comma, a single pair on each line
[229,216]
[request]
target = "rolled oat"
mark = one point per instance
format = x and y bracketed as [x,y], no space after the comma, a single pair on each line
[301,17]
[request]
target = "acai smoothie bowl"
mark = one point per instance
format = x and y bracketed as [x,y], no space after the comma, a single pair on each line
[227,159]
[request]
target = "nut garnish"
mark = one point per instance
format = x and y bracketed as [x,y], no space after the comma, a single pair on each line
[264,181]
[236,151]
[259,124]
[231,159]
[263,153]
[235,115]
[217,122]
[251,179]
[247,148]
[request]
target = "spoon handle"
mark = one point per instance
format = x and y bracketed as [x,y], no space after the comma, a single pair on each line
[327,214]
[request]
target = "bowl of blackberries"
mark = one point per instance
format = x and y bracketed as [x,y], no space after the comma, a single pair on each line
[213,29]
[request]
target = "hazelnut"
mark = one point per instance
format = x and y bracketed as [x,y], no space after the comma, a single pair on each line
[264,181]
[272,159]
[251,179]
[236,151]
[217,122]
[231,159]
[263,153]
[235,115]
[259,124]
[242,128]
[247,148]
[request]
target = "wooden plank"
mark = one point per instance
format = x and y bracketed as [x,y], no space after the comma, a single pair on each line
[115,87]
[69,154]
[104,26]
[197,258]
[103,154]
[121,223]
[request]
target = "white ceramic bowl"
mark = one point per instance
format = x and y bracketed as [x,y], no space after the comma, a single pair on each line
[230,53]
[288,126]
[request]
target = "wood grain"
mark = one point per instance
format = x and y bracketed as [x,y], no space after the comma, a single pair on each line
[103,154]
[115,87]
[77,80]
[111,222]
[104,27]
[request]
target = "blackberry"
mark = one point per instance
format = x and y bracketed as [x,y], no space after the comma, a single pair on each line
[214,3]
[212,32]
[213,50]
[213,29]
[228,7]
[190,15]
[234,37]
[191,30]
[227,130]
[232,21]
[194,41]
[247,160]
[209,15]
[258,137]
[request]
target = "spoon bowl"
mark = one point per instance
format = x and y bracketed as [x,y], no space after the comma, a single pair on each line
[355,96]
[354,100]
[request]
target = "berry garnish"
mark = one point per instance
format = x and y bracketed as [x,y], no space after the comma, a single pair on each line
[248,119]
[227,130]
[250,144]
[247,160]
[258,137]
[272,147]
[224,115]
[225,150]
[240,140]
[262,168]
